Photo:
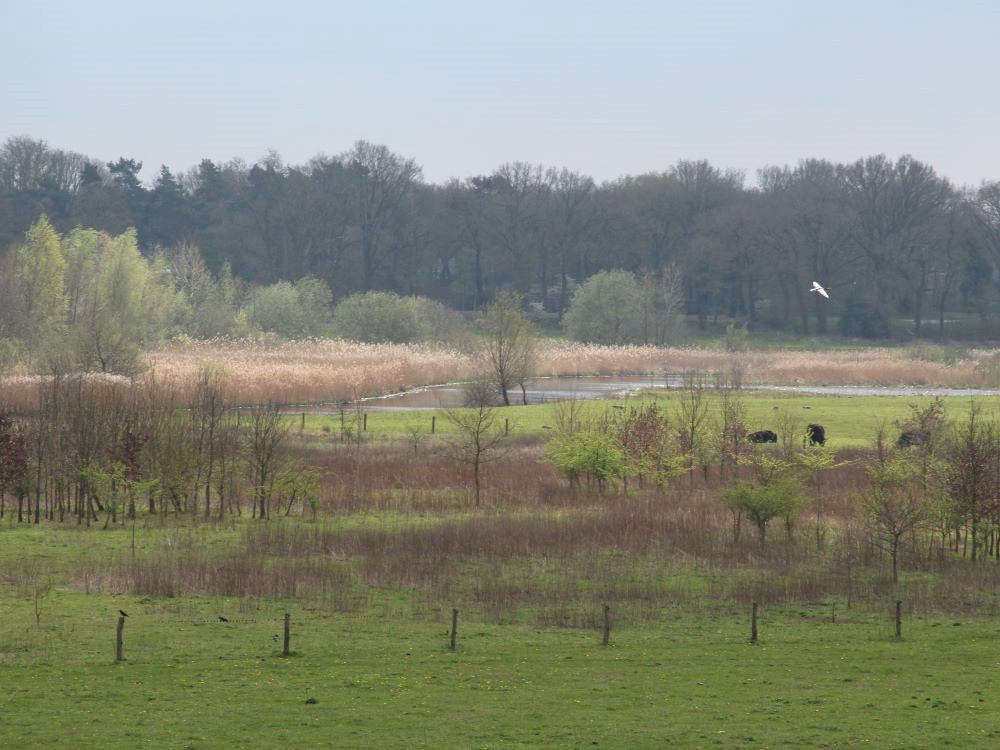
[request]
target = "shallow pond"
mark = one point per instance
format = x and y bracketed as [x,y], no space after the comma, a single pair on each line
[542,390]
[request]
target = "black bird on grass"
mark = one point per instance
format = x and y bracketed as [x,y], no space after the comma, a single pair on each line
[123,613]
[222,619]
[274,637]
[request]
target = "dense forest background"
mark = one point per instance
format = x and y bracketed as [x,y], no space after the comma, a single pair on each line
[903,252]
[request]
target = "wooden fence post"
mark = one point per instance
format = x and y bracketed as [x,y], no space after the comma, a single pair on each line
[288,635]
[364,422]
[454,627]
[899,619]
[753,623]
[607,625]
[303,427]
[433,420]
[119,646]
[506,426]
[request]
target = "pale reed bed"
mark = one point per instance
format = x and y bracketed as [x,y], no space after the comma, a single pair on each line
[861,367]
[323,370]
[311,370]
[865,367]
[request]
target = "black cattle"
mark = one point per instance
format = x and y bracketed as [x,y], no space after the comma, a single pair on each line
[913,437]
[763,436]
[815,434]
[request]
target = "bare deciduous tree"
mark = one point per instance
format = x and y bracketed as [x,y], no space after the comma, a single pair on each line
[508,344]
[896,503]
[478,431]
[266,435]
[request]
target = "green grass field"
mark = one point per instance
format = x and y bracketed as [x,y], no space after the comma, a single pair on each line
[371,667]
[850,421]
[382,675]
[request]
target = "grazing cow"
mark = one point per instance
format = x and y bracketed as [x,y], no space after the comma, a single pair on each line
[763,436]
[816,434]
[914,437]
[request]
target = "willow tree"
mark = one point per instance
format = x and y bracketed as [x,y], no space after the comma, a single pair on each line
[39,267]
[120,301]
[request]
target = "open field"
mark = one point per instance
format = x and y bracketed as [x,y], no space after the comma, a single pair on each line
[370,588]
[394,539]
[850,421]
[365,681]
[375,669]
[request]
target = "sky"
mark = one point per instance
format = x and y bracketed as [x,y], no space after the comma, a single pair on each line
[604,88]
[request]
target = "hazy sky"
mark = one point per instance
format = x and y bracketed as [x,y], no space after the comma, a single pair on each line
[607,88]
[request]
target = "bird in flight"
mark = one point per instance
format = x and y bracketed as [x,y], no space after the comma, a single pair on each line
[123,613]
[223,619]
[819,289]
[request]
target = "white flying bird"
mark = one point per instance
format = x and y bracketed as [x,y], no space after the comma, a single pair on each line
[820,290]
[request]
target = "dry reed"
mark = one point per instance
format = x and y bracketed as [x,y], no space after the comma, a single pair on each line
[325,370]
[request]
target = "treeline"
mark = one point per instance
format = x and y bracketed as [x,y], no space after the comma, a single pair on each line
[888,238]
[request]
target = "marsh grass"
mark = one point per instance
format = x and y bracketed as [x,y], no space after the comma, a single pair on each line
[332,370]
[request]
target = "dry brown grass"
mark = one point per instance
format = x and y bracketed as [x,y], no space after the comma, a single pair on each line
[875,366]
[309,371]
[324,370]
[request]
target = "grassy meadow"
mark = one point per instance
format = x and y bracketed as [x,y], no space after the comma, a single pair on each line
[850,421]
[371,575]
[387,679]
[371,664]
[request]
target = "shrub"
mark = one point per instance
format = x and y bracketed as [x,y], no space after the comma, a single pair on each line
[590,454]
[12,354]
[375,318]
[290,310]
[762,503]
[387,318]
[864,319]
[736,338]
[606,309]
